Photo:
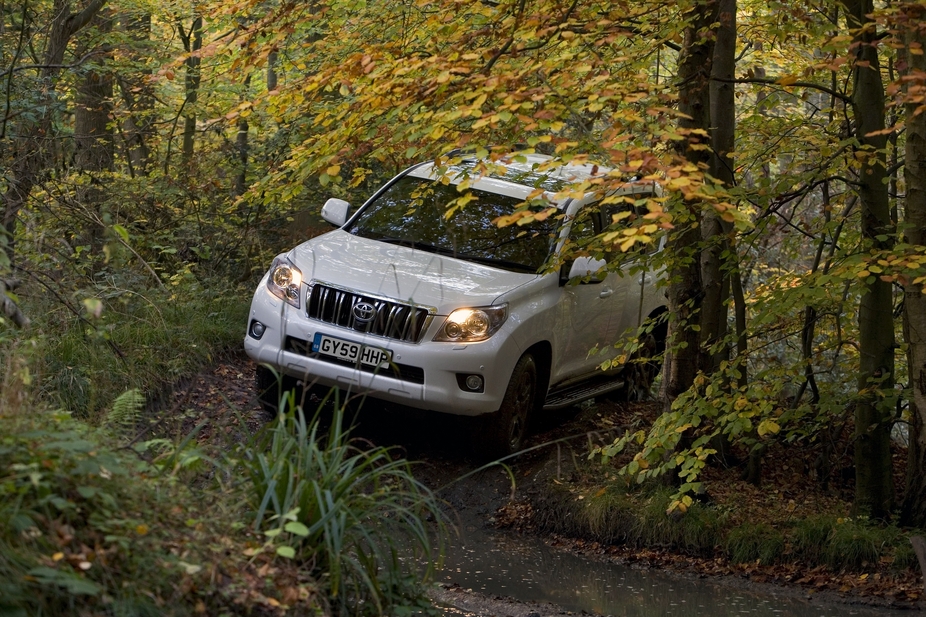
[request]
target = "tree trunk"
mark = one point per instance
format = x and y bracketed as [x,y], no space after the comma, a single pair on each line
[913,512]
[138,98]
[192,43]
[684,290]
[874,487]
[715,232]
[93,107]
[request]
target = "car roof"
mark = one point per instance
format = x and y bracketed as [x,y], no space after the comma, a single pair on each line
[518,175]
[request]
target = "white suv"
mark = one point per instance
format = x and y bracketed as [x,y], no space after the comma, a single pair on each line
[457,314]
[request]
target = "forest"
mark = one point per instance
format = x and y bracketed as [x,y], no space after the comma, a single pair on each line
[155,156]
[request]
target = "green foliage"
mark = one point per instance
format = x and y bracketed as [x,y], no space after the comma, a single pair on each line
[352,515]
[755,542]
[124,414]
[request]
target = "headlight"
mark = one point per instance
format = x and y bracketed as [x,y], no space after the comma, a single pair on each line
[472,324]
[284,281]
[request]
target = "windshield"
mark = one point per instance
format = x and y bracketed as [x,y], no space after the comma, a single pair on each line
[412,212]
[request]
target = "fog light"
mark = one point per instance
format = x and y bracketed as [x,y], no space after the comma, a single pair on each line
[474,382]
[471,383]
[257,329]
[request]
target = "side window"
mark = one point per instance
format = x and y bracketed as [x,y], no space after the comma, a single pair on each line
[578,258]
[625,212]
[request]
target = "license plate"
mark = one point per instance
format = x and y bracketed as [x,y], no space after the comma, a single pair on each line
[350,351]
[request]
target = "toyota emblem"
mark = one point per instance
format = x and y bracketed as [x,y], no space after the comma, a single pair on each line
[364,312]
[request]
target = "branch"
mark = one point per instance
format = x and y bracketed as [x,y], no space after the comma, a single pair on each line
[771,81]
[84,58]
[78,20]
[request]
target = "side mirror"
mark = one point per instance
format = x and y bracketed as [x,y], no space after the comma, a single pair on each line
[335,211]
[585,270]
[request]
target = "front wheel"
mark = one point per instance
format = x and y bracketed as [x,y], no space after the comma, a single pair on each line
[506,428]
[271,387]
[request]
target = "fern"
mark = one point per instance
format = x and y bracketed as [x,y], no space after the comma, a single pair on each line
[123,417]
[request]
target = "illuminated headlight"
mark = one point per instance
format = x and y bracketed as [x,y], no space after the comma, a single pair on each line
[284,281]
[472,324]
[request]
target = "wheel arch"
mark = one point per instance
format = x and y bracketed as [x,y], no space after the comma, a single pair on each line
[659,316]
[543,358]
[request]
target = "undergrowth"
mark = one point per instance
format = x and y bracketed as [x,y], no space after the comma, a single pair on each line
[298,519]
[110,340]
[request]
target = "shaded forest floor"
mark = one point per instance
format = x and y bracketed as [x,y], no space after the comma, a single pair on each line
[791,488]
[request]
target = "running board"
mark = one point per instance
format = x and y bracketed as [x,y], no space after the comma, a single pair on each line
[582,392]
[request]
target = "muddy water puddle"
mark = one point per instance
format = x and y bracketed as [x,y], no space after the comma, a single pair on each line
[526,569]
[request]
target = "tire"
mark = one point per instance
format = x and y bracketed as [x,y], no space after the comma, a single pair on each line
[506,429]
[640,372]
[643,367]
[270,388]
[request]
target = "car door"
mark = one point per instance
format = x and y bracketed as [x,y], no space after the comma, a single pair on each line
[631,280]
[585,311]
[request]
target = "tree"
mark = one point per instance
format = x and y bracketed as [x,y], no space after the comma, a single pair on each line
[874,492]
[912,26]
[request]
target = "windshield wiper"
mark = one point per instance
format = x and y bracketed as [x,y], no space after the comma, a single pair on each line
[415,244]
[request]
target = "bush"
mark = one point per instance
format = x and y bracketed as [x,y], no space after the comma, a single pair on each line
[351,515]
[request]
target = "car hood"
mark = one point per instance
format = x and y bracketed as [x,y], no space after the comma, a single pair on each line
[402,273]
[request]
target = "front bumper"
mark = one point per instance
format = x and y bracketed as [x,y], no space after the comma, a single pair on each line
[427,372]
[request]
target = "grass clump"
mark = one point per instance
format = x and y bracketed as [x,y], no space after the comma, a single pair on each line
[755,542]
[610,516]
[694,531]
[354,517]
[856,544]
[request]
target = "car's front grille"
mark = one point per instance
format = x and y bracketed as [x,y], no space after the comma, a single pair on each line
[405,372]
[367,314]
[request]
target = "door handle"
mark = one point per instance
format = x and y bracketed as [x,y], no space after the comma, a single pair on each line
[605,292]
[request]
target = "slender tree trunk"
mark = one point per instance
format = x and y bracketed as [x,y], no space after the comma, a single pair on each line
[192,43]
[874,487]
[241,148]
[913,512]
[684,291]
[138,98]
[715,232]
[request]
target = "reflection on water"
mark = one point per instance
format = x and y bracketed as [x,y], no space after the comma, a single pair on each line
[526,569]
